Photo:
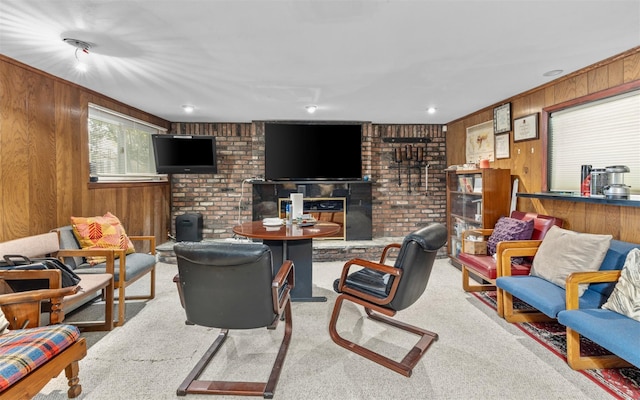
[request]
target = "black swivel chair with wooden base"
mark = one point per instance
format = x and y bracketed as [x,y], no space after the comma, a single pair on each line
[232,286]
[384,289]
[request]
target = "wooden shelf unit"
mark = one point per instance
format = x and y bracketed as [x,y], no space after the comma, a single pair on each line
[475,199]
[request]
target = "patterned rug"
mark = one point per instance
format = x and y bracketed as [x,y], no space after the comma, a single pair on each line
[622,383]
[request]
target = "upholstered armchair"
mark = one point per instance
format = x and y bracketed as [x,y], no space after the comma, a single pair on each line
[385,289]
[233,286]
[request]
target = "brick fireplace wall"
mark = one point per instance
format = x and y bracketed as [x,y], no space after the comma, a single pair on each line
[224,198]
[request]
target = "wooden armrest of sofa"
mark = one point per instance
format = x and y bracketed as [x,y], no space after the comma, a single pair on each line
[476,232]
[54,276]
[513,248]
[578,278]
[23,309]
[145,238]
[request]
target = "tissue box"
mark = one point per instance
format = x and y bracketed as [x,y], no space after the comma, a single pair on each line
[474,247]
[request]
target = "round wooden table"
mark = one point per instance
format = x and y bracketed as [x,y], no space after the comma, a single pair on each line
[291,242]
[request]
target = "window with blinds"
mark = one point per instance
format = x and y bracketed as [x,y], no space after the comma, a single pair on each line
[120,147]
[602,133]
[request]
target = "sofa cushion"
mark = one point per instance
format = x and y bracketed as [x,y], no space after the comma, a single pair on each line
[563,252]
[101,232]
[486,265]
[545,296]
[614,260]
[625,298]
[137,264]
[23,350]
[598,325]
[4,323]
[509,229]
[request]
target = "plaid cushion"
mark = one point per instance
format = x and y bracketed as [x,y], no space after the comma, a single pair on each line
[23,350]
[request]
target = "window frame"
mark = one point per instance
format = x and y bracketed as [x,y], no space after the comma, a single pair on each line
[107,178]
[547,111]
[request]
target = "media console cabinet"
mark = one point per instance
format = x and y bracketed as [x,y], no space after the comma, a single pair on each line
[344,202]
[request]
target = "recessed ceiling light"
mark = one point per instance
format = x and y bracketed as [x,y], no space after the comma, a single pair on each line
[553,72]
[188,109]
[311,108]
[431,110]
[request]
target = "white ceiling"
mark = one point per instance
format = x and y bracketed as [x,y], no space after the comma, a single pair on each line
[358,60]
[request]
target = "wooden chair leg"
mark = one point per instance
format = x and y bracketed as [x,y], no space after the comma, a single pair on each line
[467,287]
[578,362]
[409,361]
[191,385]
[71,372]
[513,315]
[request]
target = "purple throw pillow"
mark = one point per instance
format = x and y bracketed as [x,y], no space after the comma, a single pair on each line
[509,229]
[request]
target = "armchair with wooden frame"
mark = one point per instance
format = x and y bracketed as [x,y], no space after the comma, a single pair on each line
[486,269]
[125,268]
[383,290]
[62,347]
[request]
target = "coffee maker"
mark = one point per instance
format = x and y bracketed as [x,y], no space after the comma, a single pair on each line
[615,187]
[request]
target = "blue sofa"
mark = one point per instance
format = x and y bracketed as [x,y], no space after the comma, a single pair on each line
[598,324]
[611,330]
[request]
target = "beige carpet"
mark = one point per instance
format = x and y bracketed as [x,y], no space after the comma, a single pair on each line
[478,355]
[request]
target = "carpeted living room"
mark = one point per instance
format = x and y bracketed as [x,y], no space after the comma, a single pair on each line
[197,198]
[478,355]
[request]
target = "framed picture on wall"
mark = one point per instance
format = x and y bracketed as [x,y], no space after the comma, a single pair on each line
[502,146]
[525,128]
[502,118]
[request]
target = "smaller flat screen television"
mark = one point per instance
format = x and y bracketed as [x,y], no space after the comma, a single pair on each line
[182,154]
[313,151]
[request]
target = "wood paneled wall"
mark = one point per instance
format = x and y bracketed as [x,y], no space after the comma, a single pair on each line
[526,161]
[44,159]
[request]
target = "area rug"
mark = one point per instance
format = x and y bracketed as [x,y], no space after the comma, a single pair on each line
[622,383]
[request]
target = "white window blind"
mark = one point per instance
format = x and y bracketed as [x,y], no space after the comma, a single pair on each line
[601,134]
[120,147]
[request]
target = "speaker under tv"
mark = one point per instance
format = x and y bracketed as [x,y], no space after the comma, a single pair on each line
[189,227]
[313,151]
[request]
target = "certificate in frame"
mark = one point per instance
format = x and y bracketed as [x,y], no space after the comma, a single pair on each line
[502,146]
[502,118]
[525,128]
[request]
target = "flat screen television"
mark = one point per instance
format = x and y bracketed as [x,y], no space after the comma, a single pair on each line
[312,151]
[182,154]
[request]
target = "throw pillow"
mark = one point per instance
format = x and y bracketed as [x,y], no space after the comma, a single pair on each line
[101,232]
[4,323]
[508,228]
[625,298]
[563,252]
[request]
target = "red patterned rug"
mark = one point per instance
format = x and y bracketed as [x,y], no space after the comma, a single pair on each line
[622,383]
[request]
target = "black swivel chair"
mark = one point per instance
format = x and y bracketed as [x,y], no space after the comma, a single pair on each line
[232,286]
[385,289]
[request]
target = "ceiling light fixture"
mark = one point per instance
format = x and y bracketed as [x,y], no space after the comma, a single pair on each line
[553,72]
[188,109]
[79,45]
[311,108]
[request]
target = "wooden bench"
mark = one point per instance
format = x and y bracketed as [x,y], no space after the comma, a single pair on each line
[47,244]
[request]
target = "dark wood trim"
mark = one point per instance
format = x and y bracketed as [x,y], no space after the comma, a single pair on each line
[112,185]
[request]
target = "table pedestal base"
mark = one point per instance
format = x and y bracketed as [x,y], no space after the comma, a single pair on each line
[301,253]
